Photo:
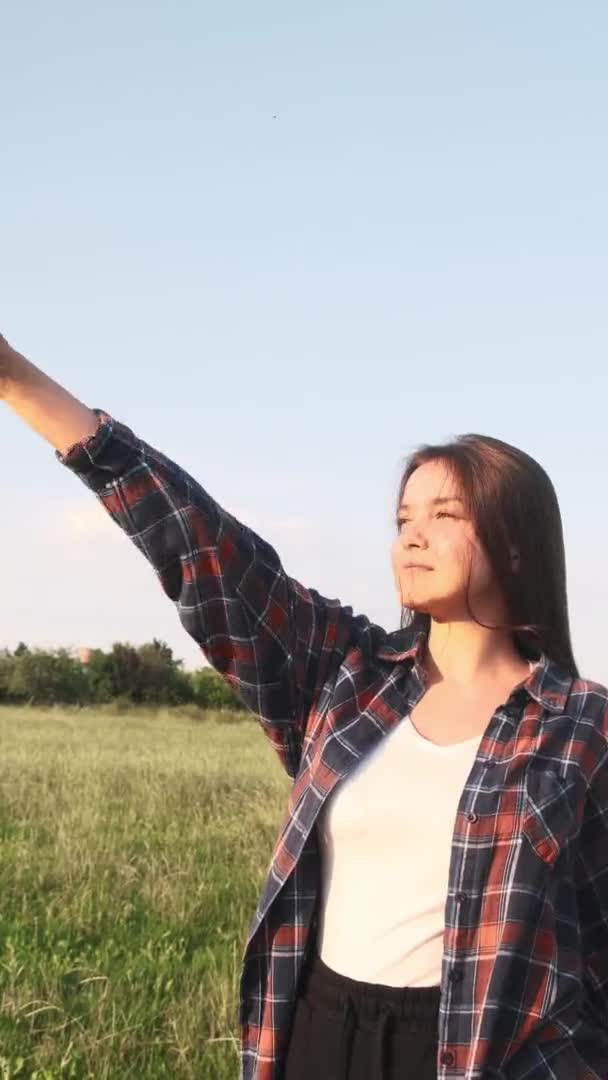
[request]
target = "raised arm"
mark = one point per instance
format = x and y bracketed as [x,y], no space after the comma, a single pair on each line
[279,644]
[43,404]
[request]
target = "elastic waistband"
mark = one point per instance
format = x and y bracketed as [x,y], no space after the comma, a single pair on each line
[325,987]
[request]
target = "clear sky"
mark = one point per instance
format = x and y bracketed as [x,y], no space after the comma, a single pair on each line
[286,244]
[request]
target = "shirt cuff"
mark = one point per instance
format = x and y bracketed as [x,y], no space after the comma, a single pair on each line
[106,455]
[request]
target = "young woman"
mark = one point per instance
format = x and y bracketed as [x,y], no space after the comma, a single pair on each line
[437,902]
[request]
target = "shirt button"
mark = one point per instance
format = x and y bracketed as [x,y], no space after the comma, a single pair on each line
[490,763]
[472,817]
[456,975]
[447,1057]
[461,897]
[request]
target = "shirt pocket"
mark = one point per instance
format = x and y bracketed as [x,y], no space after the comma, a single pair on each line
[550,817]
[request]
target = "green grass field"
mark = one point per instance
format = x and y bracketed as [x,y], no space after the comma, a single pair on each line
[133,848]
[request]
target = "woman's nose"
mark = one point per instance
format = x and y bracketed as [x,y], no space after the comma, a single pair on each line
[413,537]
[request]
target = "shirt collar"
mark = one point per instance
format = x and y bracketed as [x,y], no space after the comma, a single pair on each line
[548,683]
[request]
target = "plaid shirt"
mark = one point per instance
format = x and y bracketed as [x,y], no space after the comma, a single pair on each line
[524,977]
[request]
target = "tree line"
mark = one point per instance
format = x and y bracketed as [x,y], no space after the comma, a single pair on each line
[126,675]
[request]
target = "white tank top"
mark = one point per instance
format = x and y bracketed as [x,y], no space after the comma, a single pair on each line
[385,836]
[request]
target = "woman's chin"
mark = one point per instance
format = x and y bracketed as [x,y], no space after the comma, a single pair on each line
[414,598]
[417,605]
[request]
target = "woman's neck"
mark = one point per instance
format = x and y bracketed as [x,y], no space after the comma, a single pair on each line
[463,654]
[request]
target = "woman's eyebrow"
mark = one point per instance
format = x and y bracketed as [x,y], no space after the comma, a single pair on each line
[435,502]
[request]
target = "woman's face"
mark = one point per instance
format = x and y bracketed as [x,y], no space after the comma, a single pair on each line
[440,536]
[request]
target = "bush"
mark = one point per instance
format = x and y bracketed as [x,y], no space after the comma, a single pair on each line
[42,678]
[211,691]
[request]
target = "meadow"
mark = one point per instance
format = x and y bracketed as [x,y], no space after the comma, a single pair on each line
[133,847]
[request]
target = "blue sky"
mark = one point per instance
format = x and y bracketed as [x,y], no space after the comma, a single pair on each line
[286,244]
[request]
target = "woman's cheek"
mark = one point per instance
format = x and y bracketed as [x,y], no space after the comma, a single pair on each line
[395,563]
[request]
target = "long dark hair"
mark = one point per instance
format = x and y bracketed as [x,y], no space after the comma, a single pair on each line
[511,501]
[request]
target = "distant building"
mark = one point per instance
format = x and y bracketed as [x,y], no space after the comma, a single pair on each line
[84,655]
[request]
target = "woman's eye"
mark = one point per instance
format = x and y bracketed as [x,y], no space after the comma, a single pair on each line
[440,513]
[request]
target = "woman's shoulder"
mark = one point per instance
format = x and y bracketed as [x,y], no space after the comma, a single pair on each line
[589,693]
[588,707]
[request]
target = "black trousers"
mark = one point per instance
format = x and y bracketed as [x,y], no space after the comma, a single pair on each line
[344,1029]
